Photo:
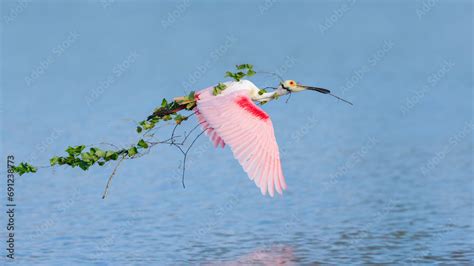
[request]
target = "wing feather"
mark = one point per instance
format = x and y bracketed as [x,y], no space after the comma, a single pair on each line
[235,120]
[277,179]
[264,184]
[210,131]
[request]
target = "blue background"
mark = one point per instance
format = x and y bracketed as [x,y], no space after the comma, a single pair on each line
[388,180]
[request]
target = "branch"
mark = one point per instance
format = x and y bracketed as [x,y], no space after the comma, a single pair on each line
[111,176]
[78,156]
[186,155]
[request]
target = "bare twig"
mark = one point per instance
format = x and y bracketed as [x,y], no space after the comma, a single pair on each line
[186,155]
[111,176]
[185,135]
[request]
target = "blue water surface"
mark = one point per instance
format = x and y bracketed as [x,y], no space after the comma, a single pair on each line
[388,180]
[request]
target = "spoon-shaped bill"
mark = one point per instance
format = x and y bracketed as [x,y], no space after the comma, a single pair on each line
[324,91]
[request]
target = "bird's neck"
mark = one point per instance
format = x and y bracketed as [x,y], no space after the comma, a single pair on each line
[268,96]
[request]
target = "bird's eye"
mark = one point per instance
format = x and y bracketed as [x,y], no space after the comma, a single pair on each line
[292,83]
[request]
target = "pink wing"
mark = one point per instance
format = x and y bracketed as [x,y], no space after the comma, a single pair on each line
[248,130]
[210,132]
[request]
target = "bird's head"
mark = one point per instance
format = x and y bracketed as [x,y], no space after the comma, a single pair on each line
[293,86]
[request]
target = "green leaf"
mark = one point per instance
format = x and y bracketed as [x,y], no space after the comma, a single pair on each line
[53,161]
[132,151]
[79,149]
[240,75]
[61,161]
[33,169]
[221,86]
[24,168]
[244,66]
[164,103]
[147,126]
[218,88]
[70,150]
[100,153]
[262,91]
[101,163]
[142,144]
[86,156]
[179,118]
[111,155]
[83,165]
[191,96]
[139,129]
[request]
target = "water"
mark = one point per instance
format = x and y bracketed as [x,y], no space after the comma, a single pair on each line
[389,180]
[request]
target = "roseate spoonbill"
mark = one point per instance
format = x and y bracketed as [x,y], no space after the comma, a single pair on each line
[233,118]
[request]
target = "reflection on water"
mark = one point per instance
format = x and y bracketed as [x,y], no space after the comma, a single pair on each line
[275,255]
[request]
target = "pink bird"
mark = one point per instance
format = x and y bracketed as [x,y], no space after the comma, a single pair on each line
[231,117]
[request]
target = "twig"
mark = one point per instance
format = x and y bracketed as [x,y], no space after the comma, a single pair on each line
[110,178]
[287,99]
[172,133]
[109,144]
[186,155]
[185,135]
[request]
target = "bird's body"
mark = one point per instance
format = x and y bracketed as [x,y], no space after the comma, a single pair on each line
[232,118]
[243,85]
